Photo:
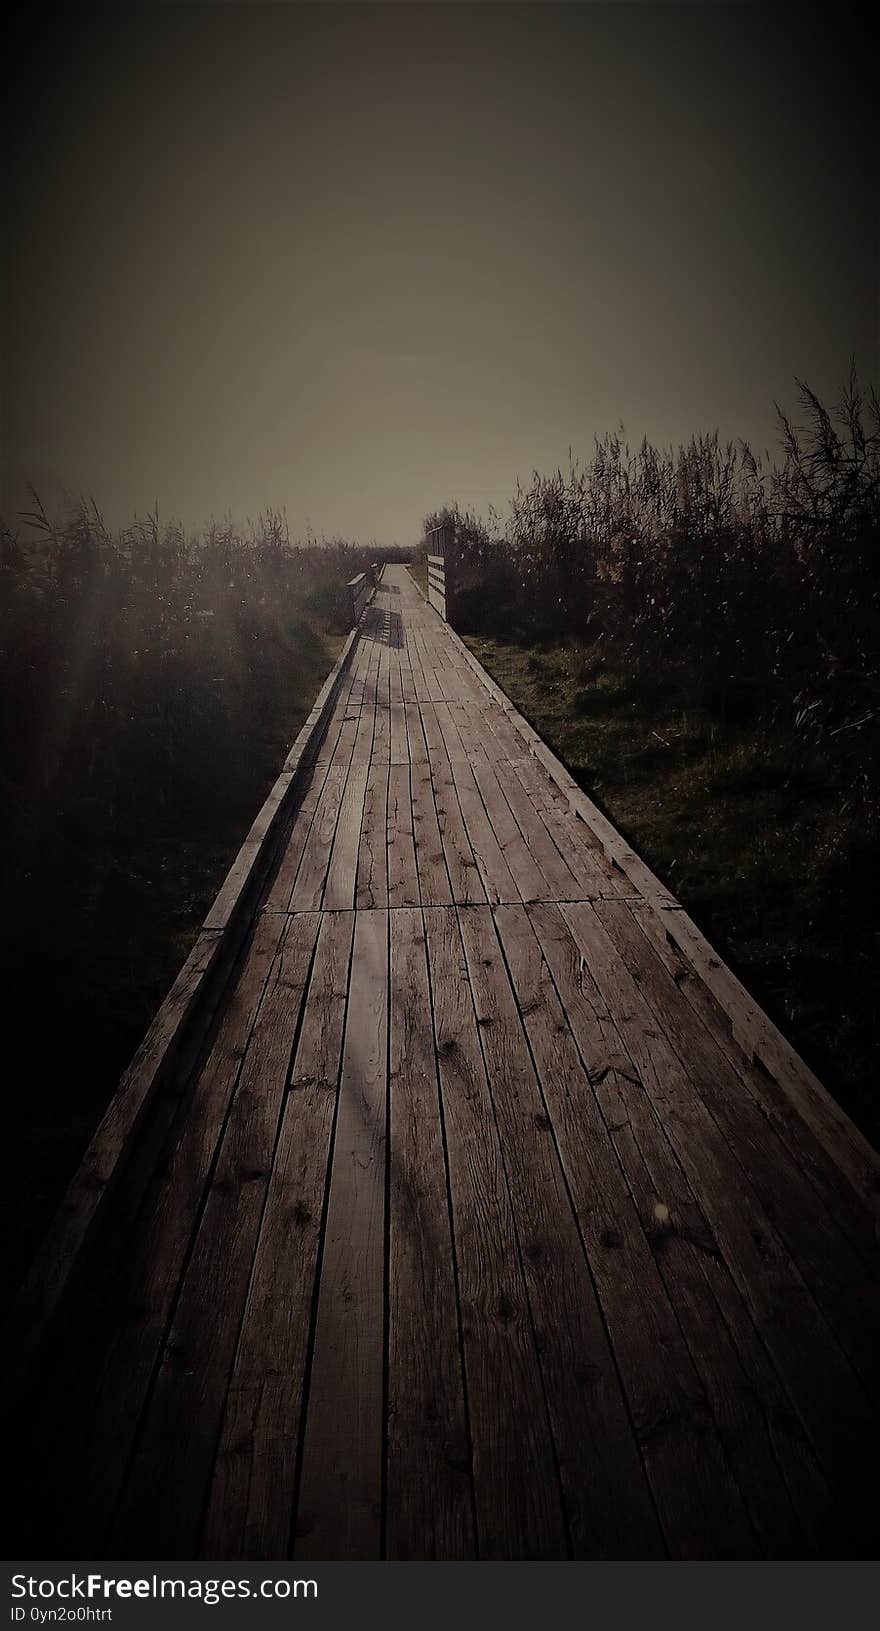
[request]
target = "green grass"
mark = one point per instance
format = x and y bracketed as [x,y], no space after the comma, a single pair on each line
[755,840]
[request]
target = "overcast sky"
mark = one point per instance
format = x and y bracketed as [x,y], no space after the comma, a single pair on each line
[359,261]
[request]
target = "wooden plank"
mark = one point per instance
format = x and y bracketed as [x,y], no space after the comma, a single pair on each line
[95,1410]
[533,882]
[315,724]
[511,743]
[415,663]
[308,890]
[847,1291]
[434,886]
[281,886]
[339,889]
[516,1481]
[340,1497]
[497,878]
[418,748]
[561,878]
[609,1507]
[382,737]
[595,875]
[472,732]
[464,874]
[748,1400]
[252,1489]
[38,1302]
[345,706]
[815,1372]
[407,679]
[398,738]
[755,1033]
[811,1155]
[372,872]
[178,1436]
[696,1423]
[434,738]
[403,877]
[530,881]
[430,1498]
[363,742]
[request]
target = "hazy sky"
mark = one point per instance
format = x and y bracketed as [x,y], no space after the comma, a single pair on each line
[363,260]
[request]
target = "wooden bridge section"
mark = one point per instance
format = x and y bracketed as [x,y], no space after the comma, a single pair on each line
[485,1217]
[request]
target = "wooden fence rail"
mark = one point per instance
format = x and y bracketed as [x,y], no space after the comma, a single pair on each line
[360,589]
[439,542]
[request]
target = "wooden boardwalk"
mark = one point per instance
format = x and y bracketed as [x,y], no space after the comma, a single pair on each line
[469,1228]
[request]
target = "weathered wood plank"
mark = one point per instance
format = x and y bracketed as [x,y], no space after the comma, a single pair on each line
[561,877]
[755,1033]
[595,875]
[372,871]
[308,890]
[811,1155]
[516,1481]
[178,1435]
[398,738]
[382,735]
[434,885]
[712,1313]
[703,1439]
[281,886]
[839,1280]
[251,1497]
[498,881]
[814,1369]
[340,1497]
[341,883]
[105,1384]
[603,1479]
[430,1498]
[403,876]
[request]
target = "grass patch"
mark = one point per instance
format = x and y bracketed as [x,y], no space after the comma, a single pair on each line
[755,838]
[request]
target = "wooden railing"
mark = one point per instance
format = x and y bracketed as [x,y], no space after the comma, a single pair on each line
[439,541]
[360,589]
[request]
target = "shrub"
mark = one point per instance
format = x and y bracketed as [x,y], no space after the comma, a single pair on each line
[750,592]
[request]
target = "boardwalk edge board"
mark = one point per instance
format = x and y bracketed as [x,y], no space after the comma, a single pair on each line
[174,1031]
[751,1028]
